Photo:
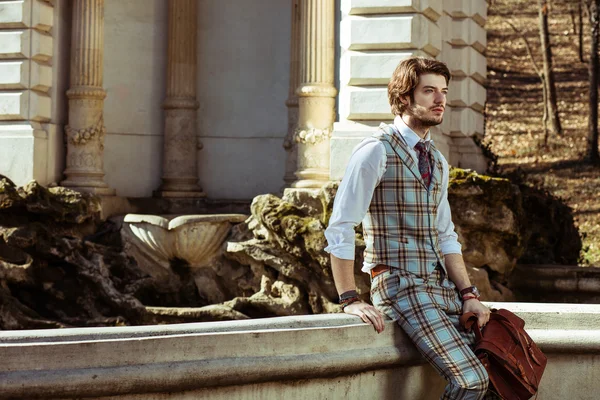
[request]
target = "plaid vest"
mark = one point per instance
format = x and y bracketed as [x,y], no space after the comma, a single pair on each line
[399,227]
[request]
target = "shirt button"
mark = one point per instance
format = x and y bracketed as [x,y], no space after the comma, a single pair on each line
[433,264]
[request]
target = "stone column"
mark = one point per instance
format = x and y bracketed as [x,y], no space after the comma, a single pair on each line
[181,145]
[292,102]
[85,131]
[316,94]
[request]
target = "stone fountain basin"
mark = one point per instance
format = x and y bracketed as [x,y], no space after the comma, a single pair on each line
[193,238]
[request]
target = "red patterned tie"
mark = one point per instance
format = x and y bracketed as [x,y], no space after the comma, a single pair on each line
[424,169]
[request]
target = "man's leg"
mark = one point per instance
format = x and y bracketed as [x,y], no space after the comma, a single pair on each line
[428,310]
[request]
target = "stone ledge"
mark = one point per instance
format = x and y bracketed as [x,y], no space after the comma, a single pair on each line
[136,360]
[432,9]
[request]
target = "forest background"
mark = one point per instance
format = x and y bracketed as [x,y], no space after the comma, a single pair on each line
[514,131]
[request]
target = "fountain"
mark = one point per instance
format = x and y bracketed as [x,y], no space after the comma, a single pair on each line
[157,241]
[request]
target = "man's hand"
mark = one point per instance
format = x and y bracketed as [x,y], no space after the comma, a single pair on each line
[367,313]
[482,312]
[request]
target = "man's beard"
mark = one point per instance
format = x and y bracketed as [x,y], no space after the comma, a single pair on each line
[422,120]
[429,122]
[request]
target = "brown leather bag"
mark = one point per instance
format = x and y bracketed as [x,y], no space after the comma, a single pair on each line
[513,361]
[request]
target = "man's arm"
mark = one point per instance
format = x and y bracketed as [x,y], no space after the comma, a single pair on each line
[457,272]
[343,275]
[455,265]
[350,206]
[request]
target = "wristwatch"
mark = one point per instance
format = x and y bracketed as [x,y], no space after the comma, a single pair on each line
[470,290]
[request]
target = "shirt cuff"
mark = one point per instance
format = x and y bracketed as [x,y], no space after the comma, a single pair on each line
[451,247]
[343,251]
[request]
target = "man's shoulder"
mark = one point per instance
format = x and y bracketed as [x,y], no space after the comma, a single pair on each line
[370,148]
[383,131]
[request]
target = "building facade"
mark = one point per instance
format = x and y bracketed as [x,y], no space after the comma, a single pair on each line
[224,99]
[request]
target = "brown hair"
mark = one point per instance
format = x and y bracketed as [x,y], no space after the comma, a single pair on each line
[406,78]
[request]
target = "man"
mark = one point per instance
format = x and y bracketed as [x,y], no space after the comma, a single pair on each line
[396,183]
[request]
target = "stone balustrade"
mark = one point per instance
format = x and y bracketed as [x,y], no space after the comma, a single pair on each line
[318,356]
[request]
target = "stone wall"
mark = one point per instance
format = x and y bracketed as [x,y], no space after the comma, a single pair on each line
[135,71]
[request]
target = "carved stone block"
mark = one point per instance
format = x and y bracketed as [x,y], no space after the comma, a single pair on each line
[41,47]
[14,105]
[475,9]
[368,104]
[14,14]
[392,33]
[42,15]
[466,92]
[465,121]
[14,44]
[41,77]
[463,32]
[14,74]
[40,107]
[465,61]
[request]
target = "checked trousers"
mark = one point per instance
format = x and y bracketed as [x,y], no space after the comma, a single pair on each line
[428,310]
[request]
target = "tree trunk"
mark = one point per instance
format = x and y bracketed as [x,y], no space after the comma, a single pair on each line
[548,72]
[581,31]
[594,64]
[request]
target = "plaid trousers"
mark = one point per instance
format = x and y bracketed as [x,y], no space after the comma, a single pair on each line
[428,310]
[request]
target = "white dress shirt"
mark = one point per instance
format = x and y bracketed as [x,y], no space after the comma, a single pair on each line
[363,173]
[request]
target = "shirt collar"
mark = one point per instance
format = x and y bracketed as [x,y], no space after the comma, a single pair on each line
[409,135]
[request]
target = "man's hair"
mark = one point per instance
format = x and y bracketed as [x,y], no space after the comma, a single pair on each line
[406,78]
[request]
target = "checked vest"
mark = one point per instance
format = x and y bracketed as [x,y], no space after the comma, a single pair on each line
[399,227]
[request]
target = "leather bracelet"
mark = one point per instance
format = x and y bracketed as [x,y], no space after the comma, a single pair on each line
[348,295]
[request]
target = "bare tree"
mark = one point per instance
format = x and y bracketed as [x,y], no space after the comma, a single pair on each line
[540,74]
[580,10]
[593,66]
[555,126]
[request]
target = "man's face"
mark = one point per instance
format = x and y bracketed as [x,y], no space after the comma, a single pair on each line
[429,100]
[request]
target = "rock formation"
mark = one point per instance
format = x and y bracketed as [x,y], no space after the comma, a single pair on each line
[60,265]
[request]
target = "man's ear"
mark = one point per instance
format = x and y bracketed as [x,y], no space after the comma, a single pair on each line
[405,100]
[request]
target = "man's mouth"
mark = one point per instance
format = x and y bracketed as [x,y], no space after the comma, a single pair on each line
[438,109]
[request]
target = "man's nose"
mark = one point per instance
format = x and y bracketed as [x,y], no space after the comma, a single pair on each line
[440,98]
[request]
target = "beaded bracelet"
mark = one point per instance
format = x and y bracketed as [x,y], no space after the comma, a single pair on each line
[469,296]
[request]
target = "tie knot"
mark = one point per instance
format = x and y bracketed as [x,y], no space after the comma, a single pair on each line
[420,147]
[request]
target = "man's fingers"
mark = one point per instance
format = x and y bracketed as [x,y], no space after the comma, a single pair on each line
[368,314]
[366,319]
[377,319]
